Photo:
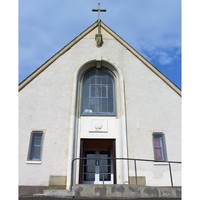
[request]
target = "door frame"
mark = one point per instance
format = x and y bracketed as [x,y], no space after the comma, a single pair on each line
[97,145]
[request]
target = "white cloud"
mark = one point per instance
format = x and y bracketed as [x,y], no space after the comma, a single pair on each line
[164,57]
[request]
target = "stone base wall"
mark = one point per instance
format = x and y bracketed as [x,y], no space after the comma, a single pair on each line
[55,183]
[125,191]
[30,190]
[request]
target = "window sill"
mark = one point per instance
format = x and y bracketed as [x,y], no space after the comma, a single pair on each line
[33,162]
[161,163]
[98,115]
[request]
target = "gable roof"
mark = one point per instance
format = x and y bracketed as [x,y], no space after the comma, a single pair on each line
[82,35]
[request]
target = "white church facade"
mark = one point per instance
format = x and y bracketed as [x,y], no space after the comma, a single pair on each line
[93,108]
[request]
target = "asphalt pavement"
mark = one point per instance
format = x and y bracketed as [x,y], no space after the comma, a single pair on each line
[56,198]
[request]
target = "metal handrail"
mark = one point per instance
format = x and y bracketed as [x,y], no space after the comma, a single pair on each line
[127,159]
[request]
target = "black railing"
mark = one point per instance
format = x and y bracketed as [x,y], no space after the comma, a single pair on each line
[125,159]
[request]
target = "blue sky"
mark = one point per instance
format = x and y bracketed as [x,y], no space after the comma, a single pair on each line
[152,27]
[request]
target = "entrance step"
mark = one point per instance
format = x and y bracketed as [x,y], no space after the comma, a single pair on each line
[125,192]
[56,194]
[104,192]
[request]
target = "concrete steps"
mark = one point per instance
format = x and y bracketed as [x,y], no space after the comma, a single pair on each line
[125,192]
[58,194]
[104,192]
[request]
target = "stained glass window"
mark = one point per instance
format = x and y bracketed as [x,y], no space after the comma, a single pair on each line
[98,93]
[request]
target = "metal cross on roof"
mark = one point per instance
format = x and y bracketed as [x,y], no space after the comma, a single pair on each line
[99,10]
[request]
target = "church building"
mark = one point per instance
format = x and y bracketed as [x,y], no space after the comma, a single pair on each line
[97,112]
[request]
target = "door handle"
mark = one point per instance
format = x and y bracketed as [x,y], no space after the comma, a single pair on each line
[97,162]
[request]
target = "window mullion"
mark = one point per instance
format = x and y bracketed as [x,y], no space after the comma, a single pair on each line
[107,102]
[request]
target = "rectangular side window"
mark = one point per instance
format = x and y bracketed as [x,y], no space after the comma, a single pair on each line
[35,146]
[159,147]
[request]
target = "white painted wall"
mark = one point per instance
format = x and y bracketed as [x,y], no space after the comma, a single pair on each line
[46,104]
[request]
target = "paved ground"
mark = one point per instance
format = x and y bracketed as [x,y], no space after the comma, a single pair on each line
[53,198]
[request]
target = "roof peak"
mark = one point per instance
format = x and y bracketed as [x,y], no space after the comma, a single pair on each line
[116,37]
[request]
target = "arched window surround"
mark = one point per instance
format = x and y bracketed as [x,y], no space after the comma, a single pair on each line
[76,117]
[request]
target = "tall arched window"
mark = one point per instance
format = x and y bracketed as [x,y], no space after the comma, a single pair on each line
[98,93]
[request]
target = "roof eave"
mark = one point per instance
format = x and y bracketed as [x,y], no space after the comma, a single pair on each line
[56,56]
[142,59]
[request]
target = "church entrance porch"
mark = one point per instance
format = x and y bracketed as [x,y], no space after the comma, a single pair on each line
[96,165]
